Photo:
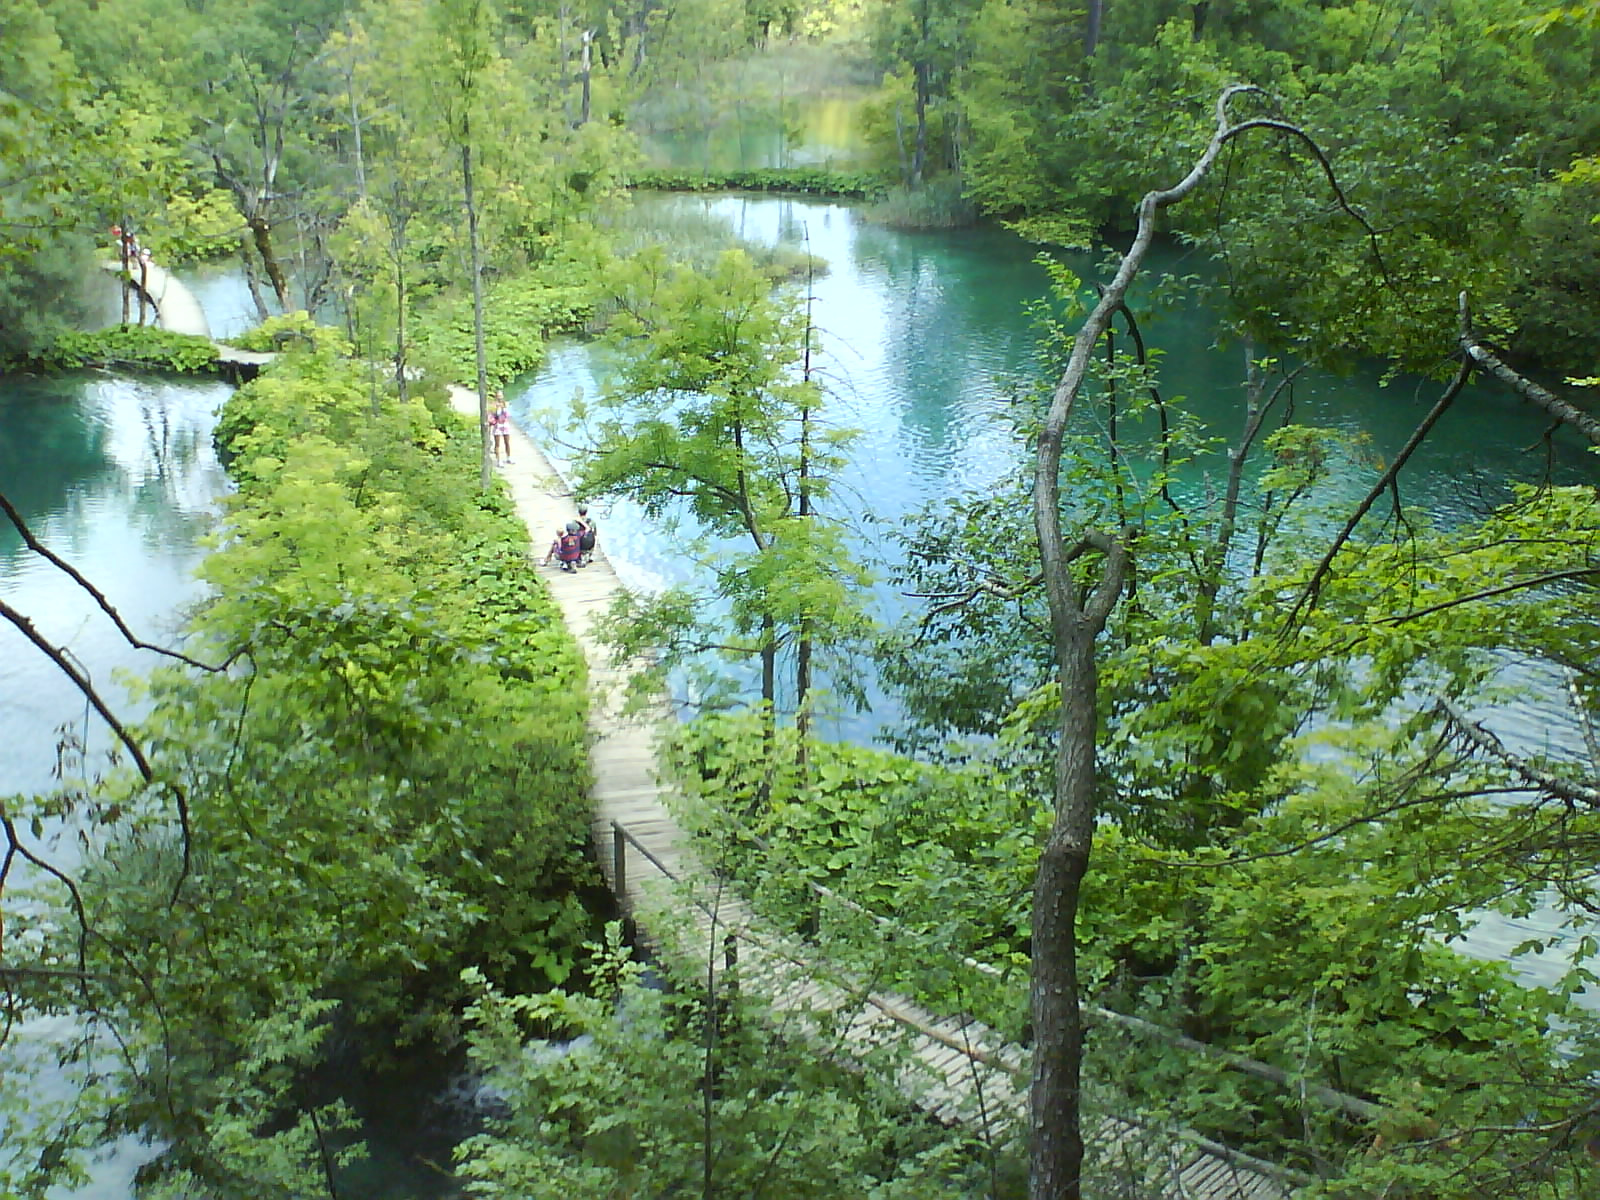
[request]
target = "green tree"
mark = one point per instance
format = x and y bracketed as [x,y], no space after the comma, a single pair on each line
[927,37]
[713,417]
[75,160]
[466,54]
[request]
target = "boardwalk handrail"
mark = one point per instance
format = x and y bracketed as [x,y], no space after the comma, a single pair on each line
[1354,1106]
[621,831]
[622,836]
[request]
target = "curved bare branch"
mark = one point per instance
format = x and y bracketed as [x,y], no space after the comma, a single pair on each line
[1308,595]
[1546,781]
[55,560]
[82,682]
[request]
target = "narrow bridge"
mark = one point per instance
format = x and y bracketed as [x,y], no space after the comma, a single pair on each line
[961,1072]
[177,310]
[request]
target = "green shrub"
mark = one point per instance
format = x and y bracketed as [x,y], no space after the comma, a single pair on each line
[289,331]
[938,204]
[192,228]
[128,347]
[1316,964]
[519,314]
[388,786]
[809,181]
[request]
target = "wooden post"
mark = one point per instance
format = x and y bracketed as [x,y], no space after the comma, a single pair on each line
[619,863]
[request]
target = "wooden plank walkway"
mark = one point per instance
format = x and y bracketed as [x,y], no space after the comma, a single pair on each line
[959,1071]
[177,310]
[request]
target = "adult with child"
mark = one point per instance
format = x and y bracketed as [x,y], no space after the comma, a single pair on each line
[567,548]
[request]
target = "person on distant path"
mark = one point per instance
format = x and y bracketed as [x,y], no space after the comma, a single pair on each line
[567,547]
[588,534]
[500,430]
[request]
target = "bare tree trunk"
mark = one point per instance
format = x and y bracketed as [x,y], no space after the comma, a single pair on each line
[261,232]
[126,276]
[400,382]
[361,159]
[1091,27]
[769,661]
[588,52]
[1055,1162]
[803,647]
[486,448]
[1257,405]
[252,279]
[900,143]
[919,153]
[1056,1112]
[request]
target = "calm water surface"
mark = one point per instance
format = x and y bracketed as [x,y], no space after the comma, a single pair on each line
[117,476]
[922,337]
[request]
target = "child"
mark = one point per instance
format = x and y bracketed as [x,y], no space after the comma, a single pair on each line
[568,548]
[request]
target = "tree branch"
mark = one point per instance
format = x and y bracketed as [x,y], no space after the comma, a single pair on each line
[1558,408]
[106,607]
[1308,595]
[1490,593]
[1546,781]
[81,681]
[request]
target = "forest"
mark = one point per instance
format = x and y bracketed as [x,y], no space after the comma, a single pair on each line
[1197,776]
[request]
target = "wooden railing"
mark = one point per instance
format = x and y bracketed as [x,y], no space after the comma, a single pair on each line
[1353,1106]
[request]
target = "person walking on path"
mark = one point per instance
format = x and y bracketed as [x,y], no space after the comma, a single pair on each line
[567,548]
[588,534]
[500,430]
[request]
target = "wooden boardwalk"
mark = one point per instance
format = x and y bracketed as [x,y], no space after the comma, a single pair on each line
[177,310]
[957,1070]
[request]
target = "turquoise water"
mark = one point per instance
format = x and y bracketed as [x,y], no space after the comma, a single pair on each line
[117,476]
[922,337]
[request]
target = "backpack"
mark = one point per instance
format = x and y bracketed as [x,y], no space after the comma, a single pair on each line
[586,539]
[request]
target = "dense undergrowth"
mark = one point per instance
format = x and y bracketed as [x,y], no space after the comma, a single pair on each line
[386,785]
[520,313]
[1361,998]
[806,181]
[120,347]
